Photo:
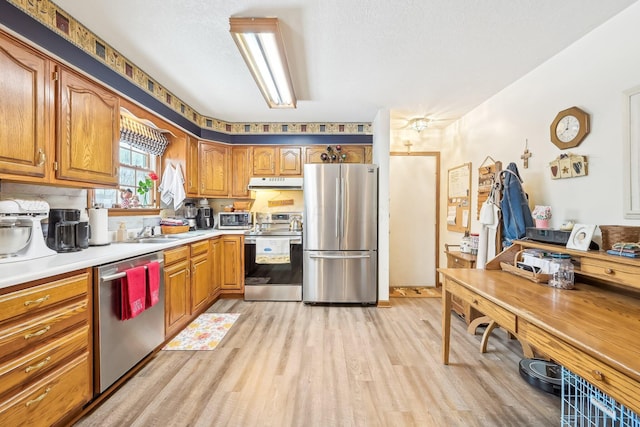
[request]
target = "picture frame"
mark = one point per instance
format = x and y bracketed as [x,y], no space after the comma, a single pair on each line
[581,235]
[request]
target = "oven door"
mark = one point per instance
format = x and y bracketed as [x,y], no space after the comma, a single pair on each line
[273,282]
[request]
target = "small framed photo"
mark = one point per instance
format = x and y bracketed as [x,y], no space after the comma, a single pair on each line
[581,236]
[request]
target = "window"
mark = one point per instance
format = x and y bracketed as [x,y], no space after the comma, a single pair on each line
[136,166]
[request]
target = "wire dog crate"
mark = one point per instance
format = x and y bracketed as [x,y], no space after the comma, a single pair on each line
[584,405]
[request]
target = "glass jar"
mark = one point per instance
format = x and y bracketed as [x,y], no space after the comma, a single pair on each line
[561,270]
[465,244]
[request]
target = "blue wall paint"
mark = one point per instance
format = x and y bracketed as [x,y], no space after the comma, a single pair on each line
[25,25]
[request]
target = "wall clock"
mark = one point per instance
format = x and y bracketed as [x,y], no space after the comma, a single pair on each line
[569,128]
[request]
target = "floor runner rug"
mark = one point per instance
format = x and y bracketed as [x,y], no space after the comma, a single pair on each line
[417,292]
[204,333]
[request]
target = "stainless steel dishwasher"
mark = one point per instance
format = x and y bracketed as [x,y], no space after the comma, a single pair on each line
[121,344]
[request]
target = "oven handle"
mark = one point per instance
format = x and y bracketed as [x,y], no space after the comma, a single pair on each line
[341,256]
[120,275]
[252,240]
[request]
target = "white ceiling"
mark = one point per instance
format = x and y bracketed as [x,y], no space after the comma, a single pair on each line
[348,58]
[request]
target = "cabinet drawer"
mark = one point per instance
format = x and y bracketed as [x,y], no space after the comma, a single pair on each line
[455,262]
[31,299]
[43,359]
[503,317]
[175,255]
[199,247]
[614,383]
[620,273]
[34,330]
[48,400]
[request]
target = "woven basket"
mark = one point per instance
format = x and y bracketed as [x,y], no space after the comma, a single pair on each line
[612,234]
[174,229]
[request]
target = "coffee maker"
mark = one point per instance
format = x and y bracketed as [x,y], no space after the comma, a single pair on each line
[64,229]
[204,219]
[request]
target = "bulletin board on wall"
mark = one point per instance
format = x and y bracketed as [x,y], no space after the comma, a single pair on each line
[459,198]
[487,177]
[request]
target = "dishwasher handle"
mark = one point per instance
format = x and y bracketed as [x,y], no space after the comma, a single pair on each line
[122,274]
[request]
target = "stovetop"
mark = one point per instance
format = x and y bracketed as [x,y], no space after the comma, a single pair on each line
[275,232]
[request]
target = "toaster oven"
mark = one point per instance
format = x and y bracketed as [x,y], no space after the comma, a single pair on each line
[234,220]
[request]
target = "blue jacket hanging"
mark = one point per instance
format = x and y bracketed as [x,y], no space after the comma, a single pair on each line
[516,215]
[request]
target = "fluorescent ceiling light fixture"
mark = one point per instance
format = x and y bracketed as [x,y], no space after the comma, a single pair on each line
[260,43]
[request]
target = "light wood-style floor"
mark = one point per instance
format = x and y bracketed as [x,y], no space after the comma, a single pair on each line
[288,364]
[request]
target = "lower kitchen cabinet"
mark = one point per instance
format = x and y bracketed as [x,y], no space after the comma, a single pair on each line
[217,266]
[232,264]
[200,275]
[46,371]
[177,282]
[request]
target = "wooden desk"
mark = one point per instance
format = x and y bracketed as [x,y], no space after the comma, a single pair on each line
[592,331]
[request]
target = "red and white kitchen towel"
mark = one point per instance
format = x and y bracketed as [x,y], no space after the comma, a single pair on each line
[140,289]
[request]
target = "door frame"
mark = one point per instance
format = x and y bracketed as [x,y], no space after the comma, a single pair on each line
[435,154]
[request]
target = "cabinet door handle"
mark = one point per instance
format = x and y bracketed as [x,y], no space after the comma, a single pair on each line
[37,301]
[609,271]
[42,156]
[38,333]
[597,375]
[39,398]
[475,301]
[37,365]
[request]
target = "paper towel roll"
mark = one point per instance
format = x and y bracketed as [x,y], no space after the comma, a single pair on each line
[99,223]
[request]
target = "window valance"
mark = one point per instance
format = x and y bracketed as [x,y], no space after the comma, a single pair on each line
[142,134]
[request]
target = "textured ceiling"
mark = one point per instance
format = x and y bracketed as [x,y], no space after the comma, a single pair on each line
[348,58]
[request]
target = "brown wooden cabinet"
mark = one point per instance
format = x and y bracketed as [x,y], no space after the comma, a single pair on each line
[232,280]
[217,267]
[200,275]
[214,169]
[177,282]
[457,259]
[88,131]
[277,161]
[46,372]
[191,167]
[355,153]
[264,161]
[290,161]
[240,171]
[26,115]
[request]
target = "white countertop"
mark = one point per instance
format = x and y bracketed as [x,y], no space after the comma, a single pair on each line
[15,273]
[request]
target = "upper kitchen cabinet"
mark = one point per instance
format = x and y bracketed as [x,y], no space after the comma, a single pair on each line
[277,161]
[25,113]
[240,171]
[183,151]
[214,169]
[355,153]
[88,131]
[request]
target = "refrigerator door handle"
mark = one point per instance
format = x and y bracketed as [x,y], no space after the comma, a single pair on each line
[342,205]
[338,207]
[341,256]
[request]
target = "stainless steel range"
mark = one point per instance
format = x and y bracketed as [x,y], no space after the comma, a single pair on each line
[273,258]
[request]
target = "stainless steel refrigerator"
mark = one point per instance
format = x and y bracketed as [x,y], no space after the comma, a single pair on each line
[340,233]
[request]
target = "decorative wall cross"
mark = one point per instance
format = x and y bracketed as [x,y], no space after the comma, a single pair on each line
[525,156]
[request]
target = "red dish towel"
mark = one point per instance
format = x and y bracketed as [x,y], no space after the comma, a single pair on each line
[133,292]
[153,283]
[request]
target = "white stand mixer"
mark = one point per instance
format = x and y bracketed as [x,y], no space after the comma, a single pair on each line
[27,213]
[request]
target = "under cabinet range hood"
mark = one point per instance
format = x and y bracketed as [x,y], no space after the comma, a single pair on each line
[275,183]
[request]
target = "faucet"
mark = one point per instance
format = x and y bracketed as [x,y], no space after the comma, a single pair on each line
[142,232]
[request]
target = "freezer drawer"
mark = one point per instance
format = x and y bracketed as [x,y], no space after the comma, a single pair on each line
[340,277]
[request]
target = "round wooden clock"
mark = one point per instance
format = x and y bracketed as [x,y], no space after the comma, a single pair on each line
[569,128]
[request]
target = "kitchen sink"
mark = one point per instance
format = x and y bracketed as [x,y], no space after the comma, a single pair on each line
[162,238]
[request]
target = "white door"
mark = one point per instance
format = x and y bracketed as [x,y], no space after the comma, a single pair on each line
[413,184]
